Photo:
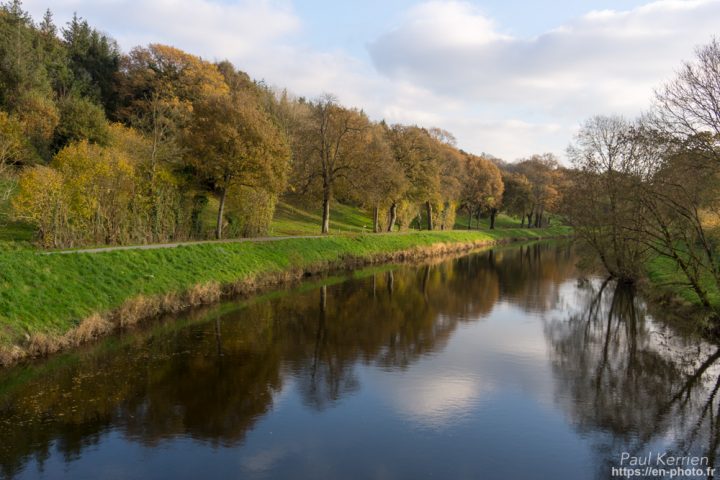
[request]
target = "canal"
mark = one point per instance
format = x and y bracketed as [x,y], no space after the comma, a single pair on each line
[507,363]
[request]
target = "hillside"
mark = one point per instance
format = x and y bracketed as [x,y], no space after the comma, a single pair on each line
[291,218]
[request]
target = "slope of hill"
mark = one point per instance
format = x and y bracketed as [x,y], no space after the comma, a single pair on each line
[292,217]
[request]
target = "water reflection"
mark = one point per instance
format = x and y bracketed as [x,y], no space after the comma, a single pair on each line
[453,347]
[647,388]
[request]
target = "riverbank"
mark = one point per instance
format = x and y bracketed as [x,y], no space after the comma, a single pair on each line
[50,303]
[666,284]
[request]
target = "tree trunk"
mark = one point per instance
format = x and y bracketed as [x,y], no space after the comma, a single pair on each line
[529,220]
[522,220]
[428,207]
[469,218]
[376,219]
[393,217]
[538,219]
[326,211]
[493,214]
[221,210]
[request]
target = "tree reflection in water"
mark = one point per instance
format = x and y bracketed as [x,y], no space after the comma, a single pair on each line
[212,379]
[622,373]
[624,380]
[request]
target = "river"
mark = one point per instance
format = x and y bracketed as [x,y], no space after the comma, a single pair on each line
[502,364]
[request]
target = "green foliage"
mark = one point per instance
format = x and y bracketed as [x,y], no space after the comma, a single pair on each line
[94,60]
[21,65]
[80,119]
[94,195]
[15,149]
[250,212]
[40,118]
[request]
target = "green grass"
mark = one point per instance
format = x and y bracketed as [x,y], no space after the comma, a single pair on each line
[52,293]
[664,274]
[292,219]
[502,221]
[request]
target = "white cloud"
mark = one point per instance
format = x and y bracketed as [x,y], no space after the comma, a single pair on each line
[205,27]
[606,61]
[444,64]
[436,401]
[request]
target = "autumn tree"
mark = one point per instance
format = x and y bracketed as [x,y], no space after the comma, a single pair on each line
[95,194]
[14,151]
[683,196]
[334,141]
[450,170]
[416,152]
[159,215]
[543,174]
[85,197]
[482,188]
[382,178]
[157,87]
[40,119]
[13,145]
[517,197]
[678,205]
[232,143]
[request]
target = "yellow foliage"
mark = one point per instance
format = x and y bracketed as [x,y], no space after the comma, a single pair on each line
[100,195]
[41,200]
[39,116]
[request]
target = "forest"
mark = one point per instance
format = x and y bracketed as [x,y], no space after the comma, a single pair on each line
[102,147]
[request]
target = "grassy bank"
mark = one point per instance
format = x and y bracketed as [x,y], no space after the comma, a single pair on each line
[665,278]
[51,302]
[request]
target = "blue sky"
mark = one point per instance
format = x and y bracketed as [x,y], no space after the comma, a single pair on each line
[350,24]
[509,78]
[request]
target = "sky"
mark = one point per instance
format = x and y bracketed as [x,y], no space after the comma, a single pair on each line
[509,78]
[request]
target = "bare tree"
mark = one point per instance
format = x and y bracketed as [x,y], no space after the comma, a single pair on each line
[601,201]
[680,207]
[689,106]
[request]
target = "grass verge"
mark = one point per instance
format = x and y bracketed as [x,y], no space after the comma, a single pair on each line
[665,277]
[53,302]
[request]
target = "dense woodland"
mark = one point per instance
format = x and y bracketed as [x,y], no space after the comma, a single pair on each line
[99,146]
[105,147]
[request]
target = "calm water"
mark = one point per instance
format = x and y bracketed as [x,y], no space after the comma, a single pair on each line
[497,365]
